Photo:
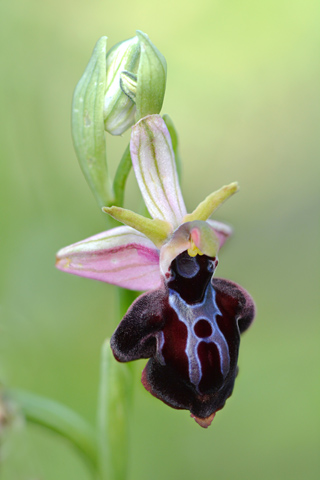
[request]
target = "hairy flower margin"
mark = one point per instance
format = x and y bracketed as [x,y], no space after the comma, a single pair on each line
[188,323]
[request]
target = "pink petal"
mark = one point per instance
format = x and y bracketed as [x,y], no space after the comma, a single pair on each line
[121,256]
[222,231]
[155,168]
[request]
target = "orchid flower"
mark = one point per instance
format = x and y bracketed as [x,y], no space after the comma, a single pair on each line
[188,323]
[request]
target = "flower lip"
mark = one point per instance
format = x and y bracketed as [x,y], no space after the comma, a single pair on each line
[204,422]
[190,367]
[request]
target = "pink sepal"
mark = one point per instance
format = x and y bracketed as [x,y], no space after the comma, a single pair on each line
[155,169]
[120,256]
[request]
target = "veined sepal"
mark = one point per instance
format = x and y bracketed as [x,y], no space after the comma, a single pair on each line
[121,256]
[154,165]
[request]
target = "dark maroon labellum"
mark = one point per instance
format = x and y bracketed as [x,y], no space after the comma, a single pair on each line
[191,330]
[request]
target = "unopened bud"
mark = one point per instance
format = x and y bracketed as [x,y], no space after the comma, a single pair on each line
[135,83]
[118,87]
[152,74]
[119,108]
[128,84]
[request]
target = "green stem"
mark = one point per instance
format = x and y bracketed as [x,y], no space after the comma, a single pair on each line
[60,419]
[113,416]
[114,406]
[121,176]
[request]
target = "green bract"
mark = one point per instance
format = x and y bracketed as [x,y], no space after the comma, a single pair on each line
[88,124]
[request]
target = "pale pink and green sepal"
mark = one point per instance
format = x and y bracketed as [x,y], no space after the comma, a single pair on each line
[120,256]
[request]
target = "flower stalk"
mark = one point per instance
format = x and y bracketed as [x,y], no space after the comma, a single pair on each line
[114,409]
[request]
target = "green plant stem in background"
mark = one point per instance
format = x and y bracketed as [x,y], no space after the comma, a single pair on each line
[60,419]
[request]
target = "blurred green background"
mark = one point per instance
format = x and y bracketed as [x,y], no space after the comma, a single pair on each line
[243,91]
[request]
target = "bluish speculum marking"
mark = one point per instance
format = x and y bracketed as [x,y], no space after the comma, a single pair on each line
[190,315]
[200,345]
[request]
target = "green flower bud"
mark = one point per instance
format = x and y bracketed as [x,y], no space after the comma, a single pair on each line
[118,87]
[151,81]
[119,108]
[135,83]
